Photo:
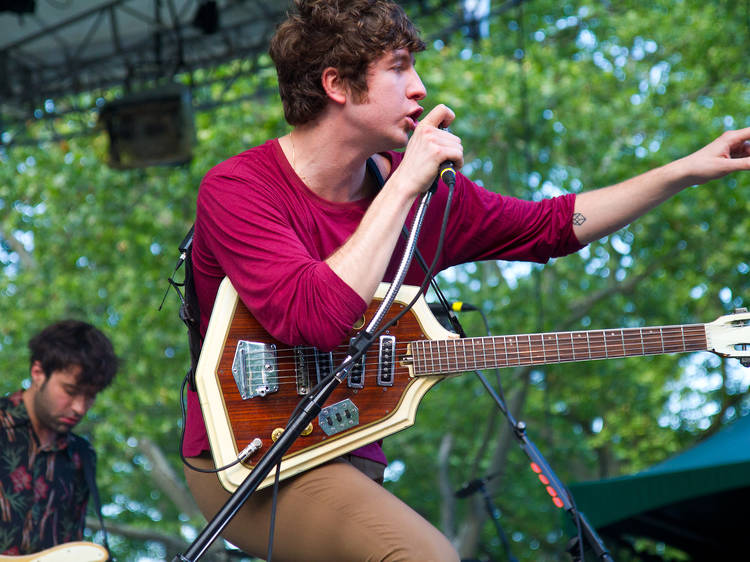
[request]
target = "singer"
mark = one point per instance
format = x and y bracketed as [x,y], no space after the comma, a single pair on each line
[305,233]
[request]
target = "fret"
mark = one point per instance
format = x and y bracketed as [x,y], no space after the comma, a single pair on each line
[505,347]
[632,342]
[536,342]
[443,368]
[673,340]
[513,341]
[523,354]
[697,337]
[614,343]
[558,348]
[466,359]
[531,350]
[598,350]
[588,342]
[565,349]
[606,351]
[495,359]
[544,351]
[432,356]
[652,341]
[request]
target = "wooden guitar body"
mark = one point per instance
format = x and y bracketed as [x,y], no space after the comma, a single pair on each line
[233,422]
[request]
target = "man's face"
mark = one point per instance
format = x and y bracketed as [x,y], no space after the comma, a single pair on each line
[59,402]
[391,108]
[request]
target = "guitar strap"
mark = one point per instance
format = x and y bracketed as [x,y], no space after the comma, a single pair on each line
[88,459]
[189,311]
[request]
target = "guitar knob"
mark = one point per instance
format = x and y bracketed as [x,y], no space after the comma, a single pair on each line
[276,433]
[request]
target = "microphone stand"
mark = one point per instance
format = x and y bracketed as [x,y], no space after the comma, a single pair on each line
[307,413]
[555,488]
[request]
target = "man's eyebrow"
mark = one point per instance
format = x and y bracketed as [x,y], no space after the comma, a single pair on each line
[401,55]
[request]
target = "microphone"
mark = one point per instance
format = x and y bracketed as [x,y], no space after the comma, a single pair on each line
[470,488]
[457,306]
[447,173]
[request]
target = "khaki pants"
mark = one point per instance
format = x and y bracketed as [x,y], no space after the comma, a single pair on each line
[331,513]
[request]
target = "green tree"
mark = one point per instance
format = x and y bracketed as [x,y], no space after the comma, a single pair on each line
[560,97]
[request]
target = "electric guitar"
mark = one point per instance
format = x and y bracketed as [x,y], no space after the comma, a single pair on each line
[249,383]
[68,552]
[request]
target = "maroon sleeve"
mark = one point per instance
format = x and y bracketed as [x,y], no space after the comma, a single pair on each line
[248,231]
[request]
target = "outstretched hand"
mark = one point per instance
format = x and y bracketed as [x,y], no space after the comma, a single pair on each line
[728,153]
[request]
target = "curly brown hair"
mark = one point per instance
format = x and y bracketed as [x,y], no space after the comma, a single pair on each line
[346,35]
[72,343]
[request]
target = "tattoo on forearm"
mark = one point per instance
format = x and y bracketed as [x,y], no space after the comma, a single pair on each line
[578,219]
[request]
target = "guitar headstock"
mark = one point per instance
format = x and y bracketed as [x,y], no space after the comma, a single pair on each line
[729,336]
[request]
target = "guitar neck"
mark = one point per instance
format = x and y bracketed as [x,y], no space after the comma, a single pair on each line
[432,357]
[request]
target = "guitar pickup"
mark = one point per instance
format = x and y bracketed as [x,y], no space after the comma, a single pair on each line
[386,355]
[338,417]
[255,369]
[356,378]
[323,364]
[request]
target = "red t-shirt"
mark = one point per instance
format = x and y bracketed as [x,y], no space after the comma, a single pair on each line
[258,224]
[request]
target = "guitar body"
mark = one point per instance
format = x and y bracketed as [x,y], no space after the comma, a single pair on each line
[68,552]
[233,422]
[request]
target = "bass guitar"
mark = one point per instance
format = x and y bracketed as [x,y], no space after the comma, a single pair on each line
[249,383]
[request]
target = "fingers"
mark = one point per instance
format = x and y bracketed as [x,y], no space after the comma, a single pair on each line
[428,147]
[444,144]
[441,116]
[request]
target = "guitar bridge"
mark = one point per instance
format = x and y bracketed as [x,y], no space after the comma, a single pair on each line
[255,369]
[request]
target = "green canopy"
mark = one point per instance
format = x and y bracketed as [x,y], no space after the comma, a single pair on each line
[695,501]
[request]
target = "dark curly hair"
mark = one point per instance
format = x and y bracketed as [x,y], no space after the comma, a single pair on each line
[347,35]
[72,343]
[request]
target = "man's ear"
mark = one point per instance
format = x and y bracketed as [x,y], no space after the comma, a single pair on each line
[38,375]
[334,86]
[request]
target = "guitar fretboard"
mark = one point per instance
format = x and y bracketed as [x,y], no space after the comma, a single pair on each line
[459,355]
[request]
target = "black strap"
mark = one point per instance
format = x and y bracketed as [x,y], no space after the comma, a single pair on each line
[372,167]
[189,312]
[88,458]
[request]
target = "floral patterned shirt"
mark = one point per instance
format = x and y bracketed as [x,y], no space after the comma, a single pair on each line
[43,492]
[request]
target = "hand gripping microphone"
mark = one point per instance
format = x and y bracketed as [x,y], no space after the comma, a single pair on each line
[447,173]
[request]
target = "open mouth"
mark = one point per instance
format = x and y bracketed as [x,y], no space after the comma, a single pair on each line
[414,117]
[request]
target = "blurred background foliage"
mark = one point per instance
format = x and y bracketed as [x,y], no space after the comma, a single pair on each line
[550,98]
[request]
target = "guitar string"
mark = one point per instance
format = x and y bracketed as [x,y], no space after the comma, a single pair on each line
[523,354]
[603,341]
[595,341]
